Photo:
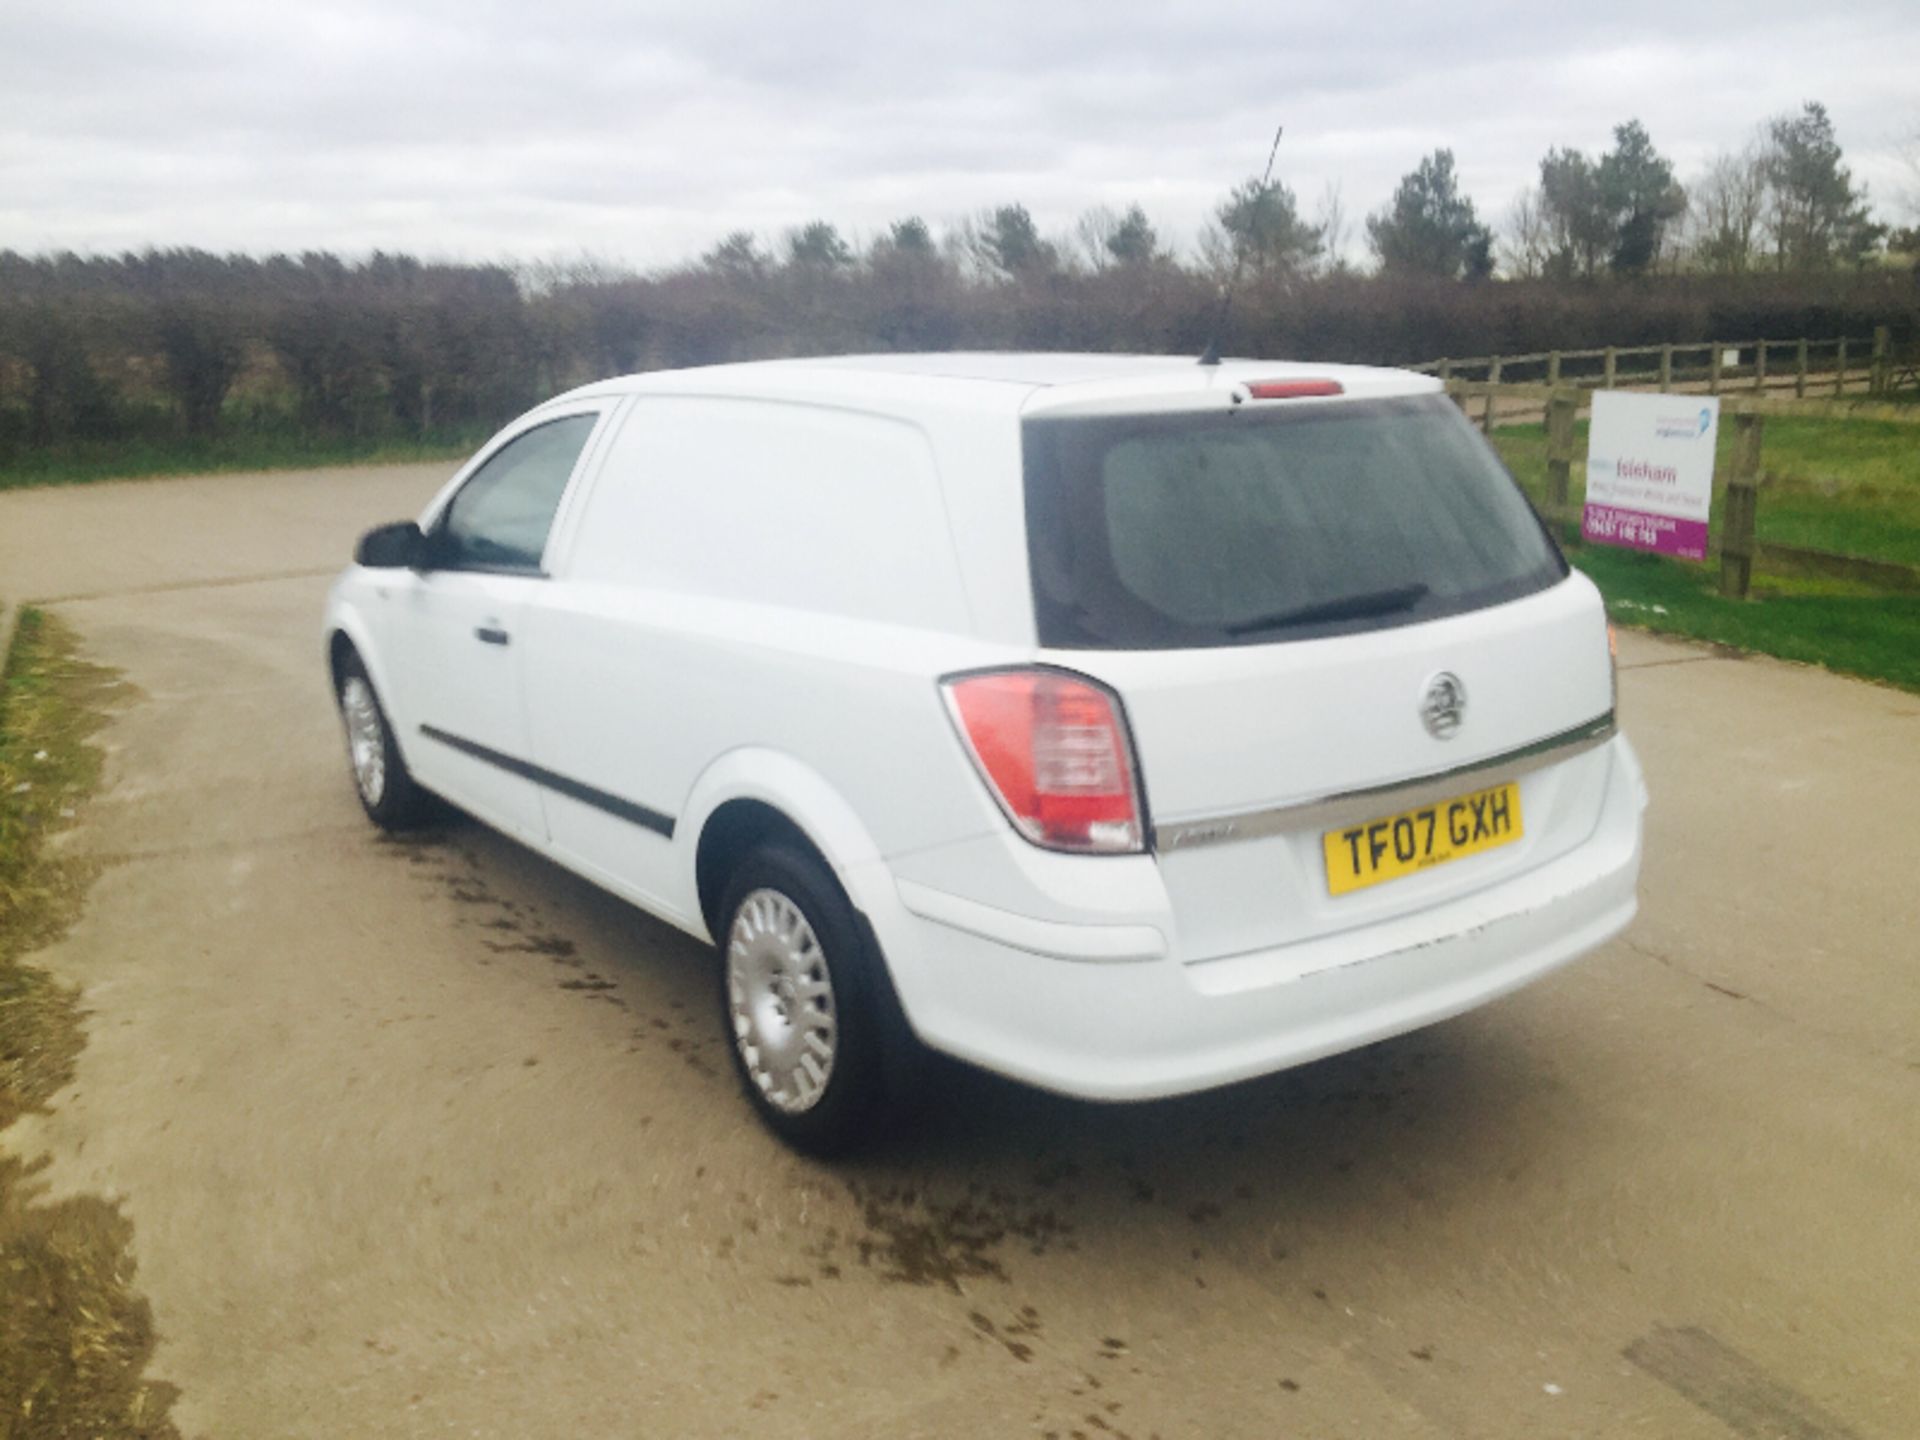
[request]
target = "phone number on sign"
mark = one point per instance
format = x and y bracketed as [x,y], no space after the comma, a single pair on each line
[1667,534]
[1627,525]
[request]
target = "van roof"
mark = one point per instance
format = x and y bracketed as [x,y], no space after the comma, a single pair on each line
[1017,382]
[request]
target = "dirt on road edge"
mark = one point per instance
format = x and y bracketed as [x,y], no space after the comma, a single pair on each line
[74,1335]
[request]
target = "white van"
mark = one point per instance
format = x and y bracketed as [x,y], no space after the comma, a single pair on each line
[1120,724]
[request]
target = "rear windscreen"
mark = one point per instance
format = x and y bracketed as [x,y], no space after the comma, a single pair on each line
[1252,525]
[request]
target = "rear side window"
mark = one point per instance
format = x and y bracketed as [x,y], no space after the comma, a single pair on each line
[790,505]
[1253,525]
[500,518]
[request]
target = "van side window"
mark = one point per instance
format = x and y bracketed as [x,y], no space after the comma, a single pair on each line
[500,518]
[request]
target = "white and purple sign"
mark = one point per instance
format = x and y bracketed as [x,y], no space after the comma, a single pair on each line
[1650,472]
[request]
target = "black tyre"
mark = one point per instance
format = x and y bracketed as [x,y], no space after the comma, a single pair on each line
[816,1034]
[387,791]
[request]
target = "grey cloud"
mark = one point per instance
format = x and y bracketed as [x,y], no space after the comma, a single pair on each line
[645,131]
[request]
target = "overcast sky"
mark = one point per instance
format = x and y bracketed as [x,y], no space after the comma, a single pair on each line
[642,132]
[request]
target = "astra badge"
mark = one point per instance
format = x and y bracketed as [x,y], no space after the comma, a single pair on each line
[1443,705]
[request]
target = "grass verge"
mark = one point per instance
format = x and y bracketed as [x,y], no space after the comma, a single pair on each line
[78,463]
[74,1335]
[1849,486]
[1844,628]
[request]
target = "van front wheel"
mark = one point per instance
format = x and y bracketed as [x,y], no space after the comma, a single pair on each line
[387,792]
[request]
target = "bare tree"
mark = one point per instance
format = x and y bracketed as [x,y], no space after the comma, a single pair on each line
[1092,233]
[1336,228]
[1676,240]
[546,275]
[1526,240]
[1728,202]
[1905,240]
[1909,152]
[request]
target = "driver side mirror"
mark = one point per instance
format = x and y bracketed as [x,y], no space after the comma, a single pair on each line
[392,547]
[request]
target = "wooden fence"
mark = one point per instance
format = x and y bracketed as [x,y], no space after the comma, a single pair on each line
[1739,544]
[1805,366]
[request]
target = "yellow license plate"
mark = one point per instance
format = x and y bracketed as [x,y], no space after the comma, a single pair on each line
[1376,851]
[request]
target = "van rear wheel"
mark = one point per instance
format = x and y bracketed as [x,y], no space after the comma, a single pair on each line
[810,1020]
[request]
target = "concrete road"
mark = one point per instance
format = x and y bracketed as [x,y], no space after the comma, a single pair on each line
[433,1139]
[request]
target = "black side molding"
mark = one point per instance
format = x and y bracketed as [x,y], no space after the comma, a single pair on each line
[560,785]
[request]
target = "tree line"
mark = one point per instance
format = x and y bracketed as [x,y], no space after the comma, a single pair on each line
[1606,249]
[1786,202]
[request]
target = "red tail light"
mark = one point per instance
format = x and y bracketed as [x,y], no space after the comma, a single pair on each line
[1294,389]
[1055,754]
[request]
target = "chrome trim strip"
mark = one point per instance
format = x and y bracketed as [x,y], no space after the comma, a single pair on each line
[1345,806]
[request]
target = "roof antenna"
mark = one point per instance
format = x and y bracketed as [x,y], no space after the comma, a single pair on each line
[1211,355]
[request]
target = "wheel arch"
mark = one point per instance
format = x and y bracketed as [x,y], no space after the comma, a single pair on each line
[339,647]
[750,796]
[346,634]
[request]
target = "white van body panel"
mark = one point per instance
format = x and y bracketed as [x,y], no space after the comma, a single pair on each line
[753,587]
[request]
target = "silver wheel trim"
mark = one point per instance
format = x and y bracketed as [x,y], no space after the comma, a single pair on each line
[780,1002]
[366,745]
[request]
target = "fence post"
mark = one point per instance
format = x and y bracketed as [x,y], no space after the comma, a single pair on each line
[1553,367]
[1493,371]
[1446,371]
[1840,369]
[1877,380]
[1560,411]
[1666,367]
[1713,368]
[1760,365]
[1743,497]
[1800,369]
[1606,382]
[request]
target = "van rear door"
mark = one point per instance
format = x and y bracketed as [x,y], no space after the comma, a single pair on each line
[1360,677]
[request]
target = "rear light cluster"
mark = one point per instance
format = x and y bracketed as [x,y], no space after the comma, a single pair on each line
[1054,751]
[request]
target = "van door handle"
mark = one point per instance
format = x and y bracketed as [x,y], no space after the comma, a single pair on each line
[491,635]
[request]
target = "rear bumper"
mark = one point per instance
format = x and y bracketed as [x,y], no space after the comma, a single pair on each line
[1094,1011]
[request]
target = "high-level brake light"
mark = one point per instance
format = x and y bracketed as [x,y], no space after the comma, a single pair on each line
[1294,389]
[1055,753]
